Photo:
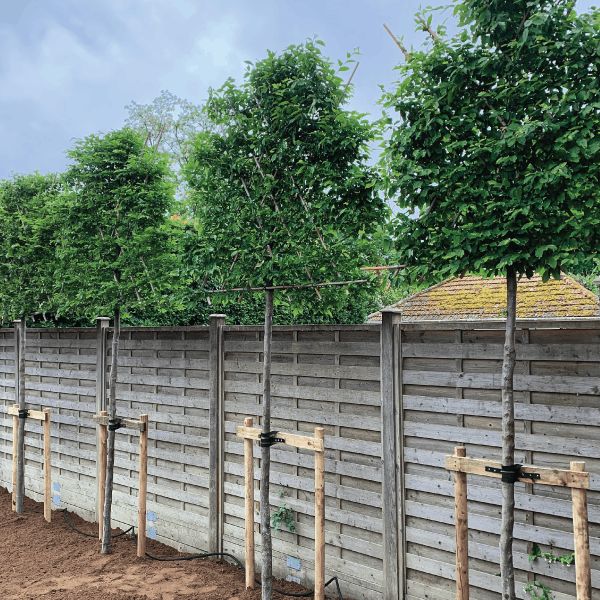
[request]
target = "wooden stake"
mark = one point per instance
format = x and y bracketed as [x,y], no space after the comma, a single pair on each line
[102,435]
[319,518]
[15,451]
[249,506]
[143,489]
[582,539]
[47,467]
[461,530]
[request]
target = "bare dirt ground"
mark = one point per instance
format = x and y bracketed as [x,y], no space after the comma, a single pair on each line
[52,562]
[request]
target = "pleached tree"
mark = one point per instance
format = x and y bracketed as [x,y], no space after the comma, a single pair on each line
[27,229]
[494,158]
[113,254]
[283,195]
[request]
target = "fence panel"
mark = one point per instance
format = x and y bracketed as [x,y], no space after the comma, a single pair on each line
[164,373]
[321,376]
[450,396]
[7,397]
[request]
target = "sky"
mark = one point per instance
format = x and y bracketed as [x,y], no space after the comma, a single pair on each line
[68,68]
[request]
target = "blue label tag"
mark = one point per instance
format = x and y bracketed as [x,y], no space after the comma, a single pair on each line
[56,500]
[151,516]
[294,563]
[151,533]
[56,486]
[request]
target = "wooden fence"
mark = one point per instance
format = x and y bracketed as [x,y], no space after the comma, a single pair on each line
[443,390]
[393,400]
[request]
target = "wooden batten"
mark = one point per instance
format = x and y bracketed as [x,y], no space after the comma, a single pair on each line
[47,467]
[557,477]
[249,506]
[38,415]
[291,439]
[142,488]
[137,424]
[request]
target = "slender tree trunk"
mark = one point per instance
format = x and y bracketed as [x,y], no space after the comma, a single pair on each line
[110,440]
[20,483]
[265,456]
[508,440]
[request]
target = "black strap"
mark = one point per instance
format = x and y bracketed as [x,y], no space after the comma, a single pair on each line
[114,424]
[510,473]
[269,439]
[23,413]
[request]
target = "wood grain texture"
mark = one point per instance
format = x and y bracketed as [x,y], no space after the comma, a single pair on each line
[142,488]
[249,506]
[319,517]
[461,520]
[582,539]
[47,466]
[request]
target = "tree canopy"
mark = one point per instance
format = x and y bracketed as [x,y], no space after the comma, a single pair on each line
[114,250]
[27,227]
[494,154]
[281,185]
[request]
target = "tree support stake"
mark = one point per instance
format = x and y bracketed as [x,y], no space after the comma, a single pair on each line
[21,415]
[575,478]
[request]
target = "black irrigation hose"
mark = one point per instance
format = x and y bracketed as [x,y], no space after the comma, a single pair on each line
[72,526]
[203,555]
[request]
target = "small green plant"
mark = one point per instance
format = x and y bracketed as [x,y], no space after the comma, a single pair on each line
[538,591]
[284,515]
[564,559]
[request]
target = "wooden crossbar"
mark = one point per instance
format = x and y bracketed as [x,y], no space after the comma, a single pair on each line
[251,434]
[138,424]
[575,478]
[44,417]
[291,439]
[556,477]
[37,415]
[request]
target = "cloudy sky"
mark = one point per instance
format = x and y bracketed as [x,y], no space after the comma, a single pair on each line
[69,67]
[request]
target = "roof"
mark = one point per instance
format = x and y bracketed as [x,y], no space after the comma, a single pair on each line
[470,298]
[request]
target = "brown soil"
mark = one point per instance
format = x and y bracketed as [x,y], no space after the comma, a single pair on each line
[52,562]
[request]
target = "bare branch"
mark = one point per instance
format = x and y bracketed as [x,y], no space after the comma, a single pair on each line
[398,43]
[426,27]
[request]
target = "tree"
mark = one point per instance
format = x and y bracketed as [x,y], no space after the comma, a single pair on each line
[283,195]
[168,124]
[495,159]
[26,272]
[27,224]
[114,251]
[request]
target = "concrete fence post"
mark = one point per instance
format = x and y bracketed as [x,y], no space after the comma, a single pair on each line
[215,434]
[391,444]
[102,325]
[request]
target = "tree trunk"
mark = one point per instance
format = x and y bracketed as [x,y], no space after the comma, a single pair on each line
[265,455]
[20,482]
[508,440]
[110,441]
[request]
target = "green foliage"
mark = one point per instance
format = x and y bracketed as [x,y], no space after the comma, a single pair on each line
[564,559]
[494,155]
[538,591]
[27,226]
[283,515]
[281,187]
[115,250]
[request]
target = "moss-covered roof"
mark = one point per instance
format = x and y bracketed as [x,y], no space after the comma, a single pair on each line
[477,298]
